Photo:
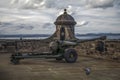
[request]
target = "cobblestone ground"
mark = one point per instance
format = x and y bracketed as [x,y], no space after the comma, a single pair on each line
[45,69]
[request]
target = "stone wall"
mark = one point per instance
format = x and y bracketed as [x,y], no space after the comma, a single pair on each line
[84,48]
[112,49]
[24,46]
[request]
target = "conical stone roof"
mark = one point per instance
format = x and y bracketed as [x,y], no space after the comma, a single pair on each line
[65,19]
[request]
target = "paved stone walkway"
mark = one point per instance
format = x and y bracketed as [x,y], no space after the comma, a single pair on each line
[45,69]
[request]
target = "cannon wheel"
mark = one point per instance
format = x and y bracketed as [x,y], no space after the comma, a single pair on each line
[70,55]
[15,61]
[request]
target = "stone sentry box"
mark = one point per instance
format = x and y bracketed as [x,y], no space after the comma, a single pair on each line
[64,27]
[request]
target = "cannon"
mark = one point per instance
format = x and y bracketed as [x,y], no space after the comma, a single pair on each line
[57,50]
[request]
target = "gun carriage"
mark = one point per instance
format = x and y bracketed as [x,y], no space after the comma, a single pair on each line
[57,50]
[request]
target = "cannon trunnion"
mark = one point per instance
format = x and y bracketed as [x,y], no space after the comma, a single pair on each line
[58,50]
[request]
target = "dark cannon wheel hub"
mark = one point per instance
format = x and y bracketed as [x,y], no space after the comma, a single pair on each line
[70,56]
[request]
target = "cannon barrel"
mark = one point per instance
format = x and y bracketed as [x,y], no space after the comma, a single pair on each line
[99,38]
[68,43]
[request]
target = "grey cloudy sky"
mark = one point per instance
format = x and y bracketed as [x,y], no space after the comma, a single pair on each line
[38,16]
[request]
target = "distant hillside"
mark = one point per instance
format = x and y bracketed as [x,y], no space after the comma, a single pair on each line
[99,34]
[26,35]
[47,35]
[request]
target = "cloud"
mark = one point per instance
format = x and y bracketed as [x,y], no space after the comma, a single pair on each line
[48,25]
[59,4]
[82,23]
[38,16]
[100,3]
